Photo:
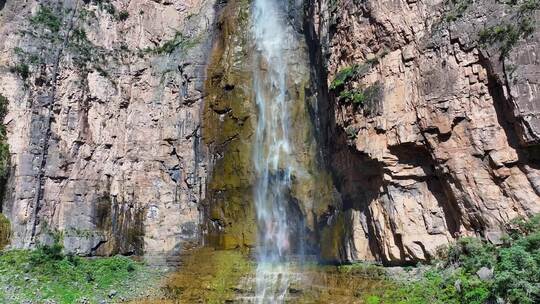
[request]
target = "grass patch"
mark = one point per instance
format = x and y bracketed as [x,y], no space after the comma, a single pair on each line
[47,274]
[515,274]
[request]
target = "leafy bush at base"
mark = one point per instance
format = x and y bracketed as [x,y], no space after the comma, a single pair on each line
[515,279]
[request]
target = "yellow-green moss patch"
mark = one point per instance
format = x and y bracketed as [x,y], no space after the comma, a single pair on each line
[208,276]
[5,231]
[227,130]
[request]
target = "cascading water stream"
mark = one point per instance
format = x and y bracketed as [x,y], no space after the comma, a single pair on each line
[273,160]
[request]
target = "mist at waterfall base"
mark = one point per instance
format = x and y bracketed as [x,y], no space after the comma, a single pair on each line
[279,223]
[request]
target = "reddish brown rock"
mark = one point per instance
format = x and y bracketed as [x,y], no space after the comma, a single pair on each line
[450,148]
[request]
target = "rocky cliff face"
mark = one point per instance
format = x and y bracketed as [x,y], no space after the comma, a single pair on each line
[437,121]
[428,113]
[104,122]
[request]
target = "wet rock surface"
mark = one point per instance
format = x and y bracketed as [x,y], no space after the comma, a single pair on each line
[227,276]
[230,119]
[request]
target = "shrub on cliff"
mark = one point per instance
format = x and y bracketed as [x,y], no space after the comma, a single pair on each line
[471,254]
[46,18]
[46,254]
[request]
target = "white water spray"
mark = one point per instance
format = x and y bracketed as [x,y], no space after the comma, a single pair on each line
[273,159]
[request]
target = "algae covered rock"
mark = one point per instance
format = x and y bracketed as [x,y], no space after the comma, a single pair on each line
[230,118]
[227,130]
[5,231]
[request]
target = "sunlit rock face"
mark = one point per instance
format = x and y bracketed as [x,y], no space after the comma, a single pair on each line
[132,125]
[448,146]
[104,125]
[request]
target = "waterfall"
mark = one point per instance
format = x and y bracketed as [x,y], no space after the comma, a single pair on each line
[273,160]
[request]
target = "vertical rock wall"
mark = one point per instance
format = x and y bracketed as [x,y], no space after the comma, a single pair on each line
[104,122]
[436,121]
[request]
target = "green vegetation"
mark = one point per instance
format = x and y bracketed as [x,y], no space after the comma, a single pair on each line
[458,8]
[45,25]
[513,272]
[84,52]
[349,73]
[506,35]
[518,22]
[366,270]
[347,93]
[123,16]
[352,133]
[528,6]
[178,41]
[4,170]
[340,284]
[47,274]
[342,76]
[4,147]
[47,18]
[333,6]
[25,60]
[22,69]
[106,5]
[361,96]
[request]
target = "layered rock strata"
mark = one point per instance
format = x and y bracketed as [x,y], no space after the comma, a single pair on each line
[437,121]
[104,123]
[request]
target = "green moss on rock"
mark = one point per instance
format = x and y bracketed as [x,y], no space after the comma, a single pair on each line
[209,276]
[4,148]
[123,227]
[229,120]
[228,129]
[332,237]
[5,231]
